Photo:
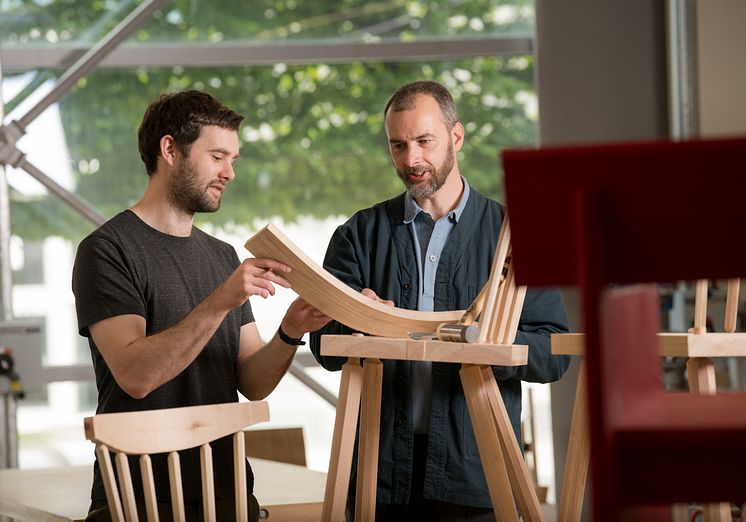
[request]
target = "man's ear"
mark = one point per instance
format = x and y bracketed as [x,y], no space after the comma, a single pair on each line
[457,136]
[168,149]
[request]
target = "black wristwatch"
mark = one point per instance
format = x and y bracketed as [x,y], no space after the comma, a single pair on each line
[285,338]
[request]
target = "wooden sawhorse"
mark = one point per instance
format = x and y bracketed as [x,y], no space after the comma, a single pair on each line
[502,460]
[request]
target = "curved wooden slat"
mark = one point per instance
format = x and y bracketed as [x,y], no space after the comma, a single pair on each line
[328,294]
[172,429]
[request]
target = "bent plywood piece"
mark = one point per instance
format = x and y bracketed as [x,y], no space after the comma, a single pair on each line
[328,294]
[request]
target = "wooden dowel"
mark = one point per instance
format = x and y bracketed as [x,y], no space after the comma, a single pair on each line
[471,313]
[488,314]
[731,304]
[700,306]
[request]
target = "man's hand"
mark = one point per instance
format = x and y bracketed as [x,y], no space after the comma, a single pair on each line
[301,317]
[254,276]
[367,292]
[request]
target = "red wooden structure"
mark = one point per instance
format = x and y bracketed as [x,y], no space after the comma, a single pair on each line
[620,214]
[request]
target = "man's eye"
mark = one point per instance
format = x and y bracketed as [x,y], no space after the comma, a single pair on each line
[217,158]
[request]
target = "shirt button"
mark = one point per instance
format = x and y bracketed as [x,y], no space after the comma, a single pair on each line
[433,258]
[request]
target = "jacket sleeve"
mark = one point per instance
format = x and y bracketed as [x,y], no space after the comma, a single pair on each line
[543,314]
[342,262]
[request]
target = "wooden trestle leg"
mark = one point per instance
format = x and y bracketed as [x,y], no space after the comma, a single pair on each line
[370,427]
[701,373]
[488,441]
[343,442]
[578,452]
[520,479]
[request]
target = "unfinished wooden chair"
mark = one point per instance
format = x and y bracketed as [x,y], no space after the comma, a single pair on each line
[500,304]
[639,213]
[145,433]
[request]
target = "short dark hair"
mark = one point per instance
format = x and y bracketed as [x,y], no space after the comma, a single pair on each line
[181,115]
[404,98]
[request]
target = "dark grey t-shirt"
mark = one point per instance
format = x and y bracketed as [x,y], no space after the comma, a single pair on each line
[127,267]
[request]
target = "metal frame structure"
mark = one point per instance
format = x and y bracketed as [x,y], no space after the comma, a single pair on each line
[11,155]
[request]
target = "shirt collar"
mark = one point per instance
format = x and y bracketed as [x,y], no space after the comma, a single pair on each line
[411,208]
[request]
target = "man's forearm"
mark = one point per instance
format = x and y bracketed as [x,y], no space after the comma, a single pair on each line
[156,359]
[260,373]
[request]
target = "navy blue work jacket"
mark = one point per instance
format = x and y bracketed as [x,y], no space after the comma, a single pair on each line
[374,249]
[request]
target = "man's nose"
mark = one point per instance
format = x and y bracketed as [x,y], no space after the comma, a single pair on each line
[227,172]
[413,156]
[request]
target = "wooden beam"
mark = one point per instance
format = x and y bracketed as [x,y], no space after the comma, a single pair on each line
[328,294]
[671,344]
[405,349]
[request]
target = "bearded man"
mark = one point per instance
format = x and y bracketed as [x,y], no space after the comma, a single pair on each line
[431,249]
[165,306]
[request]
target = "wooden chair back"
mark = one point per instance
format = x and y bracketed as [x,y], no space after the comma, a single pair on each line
[145,433]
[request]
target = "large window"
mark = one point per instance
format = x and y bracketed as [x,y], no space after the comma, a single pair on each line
[311,78]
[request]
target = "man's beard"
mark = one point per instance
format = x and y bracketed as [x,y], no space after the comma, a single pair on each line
[186,192]
[437,178]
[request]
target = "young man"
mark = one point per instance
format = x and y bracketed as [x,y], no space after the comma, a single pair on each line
[165,306]
[431,248]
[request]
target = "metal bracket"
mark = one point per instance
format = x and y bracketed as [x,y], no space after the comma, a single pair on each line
[9,135]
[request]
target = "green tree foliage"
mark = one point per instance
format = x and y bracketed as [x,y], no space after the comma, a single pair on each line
[313,142]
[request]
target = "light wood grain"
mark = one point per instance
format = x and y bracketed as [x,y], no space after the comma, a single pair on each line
[148,486]
[405,349]
[329,295]
[160,431]
[700,306]
[110,483]
[671,344]
[177,491]
[370,428]
[520,479]
[171,430]
[731,305]
[701,373]
[488,441]
[239,476]
[125,485]
[489,313]
[343,441]
[208,482]
[471,313]
[578,453]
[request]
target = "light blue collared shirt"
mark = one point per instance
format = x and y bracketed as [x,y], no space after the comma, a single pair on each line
[429,237]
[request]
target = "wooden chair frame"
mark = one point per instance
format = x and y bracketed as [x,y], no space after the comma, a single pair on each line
[506,472]
[169,431]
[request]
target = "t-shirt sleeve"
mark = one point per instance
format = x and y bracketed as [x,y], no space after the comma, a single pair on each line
[104,283]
